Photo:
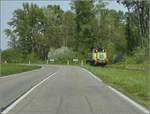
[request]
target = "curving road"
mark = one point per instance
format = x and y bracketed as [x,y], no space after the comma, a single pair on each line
[12,87]
[65,90]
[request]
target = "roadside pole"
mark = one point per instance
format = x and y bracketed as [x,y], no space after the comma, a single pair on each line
[81,62]
[67,62]
[29,62]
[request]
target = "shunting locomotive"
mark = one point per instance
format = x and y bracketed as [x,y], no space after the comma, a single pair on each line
[97,56]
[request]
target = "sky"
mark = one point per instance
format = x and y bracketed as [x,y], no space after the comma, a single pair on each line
[8,7]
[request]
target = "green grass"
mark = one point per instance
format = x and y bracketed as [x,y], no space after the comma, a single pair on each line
[133,83]
[7,69]
[142,67]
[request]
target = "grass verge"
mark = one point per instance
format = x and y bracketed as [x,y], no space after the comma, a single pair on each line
[132,83]
[7,69]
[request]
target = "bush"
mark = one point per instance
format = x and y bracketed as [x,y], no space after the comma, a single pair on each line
[114,54]
[61,55]
[139,55]
[33,58]
[12,56]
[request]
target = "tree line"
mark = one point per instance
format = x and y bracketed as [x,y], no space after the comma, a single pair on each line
[35,30]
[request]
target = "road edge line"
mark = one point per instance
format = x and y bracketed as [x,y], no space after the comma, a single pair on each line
[140,107]
[27,93]
[94,76]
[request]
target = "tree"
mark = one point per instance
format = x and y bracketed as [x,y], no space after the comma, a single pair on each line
[13,38]
[138,14]
[36,31]
[84,17]
[68,28]
[90,24]
[53,26]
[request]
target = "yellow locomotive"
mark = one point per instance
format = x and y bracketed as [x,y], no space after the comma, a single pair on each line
[97,57]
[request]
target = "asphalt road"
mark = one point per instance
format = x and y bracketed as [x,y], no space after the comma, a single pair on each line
[12,87]
[71,90]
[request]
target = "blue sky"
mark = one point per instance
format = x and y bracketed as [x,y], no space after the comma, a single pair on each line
[8,7]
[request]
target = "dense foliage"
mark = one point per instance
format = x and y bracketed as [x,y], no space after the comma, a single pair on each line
[11,56]
[36,30]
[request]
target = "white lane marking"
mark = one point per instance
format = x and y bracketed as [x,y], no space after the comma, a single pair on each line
[122,95]
[27,93]
[92,75]
[130,100]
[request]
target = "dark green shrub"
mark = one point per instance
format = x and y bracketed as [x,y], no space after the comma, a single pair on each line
[11,56]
